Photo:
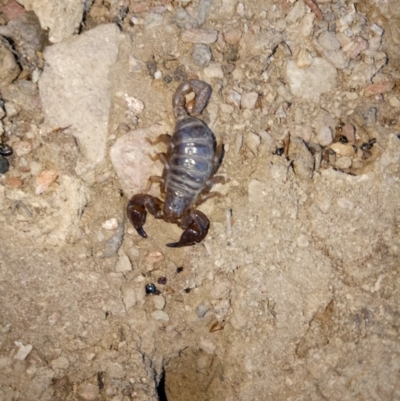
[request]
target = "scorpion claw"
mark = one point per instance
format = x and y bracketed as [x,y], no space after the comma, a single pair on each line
[196,226]
[141,232]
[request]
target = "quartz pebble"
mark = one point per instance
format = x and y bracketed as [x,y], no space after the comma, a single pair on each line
[160,315]
[234,98]
[304,59]
[110,224]
[233,36]
[328,41]
[136,106]
[201,55]
[206,36]
[249,100]
[23,350]
[201,310]
[159,302]
[89,391]
[44,180]
[354,48]
[252,141]
[214,70]
[325,136]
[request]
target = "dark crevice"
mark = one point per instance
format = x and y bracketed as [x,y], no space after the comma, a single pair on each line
[162,396]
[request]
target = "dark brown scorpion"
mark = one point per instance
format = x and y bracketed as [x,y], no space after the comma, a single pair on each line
[190,163]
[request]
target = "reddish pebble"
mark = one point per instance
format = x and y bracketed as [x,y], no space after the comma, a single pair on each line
[349,132]
[44,180]
[200,35]
[381,87]
[162,280]
[13,182]
[12,10]
[140,7]
[232,37]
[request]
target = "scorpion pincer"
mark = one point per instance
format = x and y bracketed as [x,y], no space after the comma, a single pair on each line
[190,163]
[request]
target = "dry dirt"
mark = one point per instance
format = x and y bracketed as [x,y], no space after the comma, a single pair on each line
[295,292]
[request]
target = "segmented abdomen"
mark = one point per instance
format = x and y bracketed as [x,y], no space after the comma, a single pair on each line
[192,160]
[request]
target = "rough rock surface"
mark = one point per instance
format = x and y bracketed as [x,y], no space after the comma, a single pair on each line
[73,97]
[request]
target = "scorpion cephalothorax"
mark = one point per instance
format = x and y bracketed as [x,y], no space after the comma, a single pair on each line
[190,163]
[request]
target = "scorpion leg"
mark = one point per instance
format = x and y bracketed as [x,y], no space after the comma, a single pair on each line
[202,91]
[163,138]
[137,209]
[155,179]
[196,225]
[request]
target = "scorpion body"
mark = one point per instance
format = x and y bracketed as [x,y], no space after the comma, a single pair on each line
[190,163]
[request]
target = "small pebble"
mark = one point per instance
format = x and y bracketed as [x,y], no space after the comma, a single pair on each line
[206,36]
[154,257]
[249,100]
[4,165]
[234,98]
[253,141]
[136,106]
[325,136]
[304,59]
[328,41]
[233,36]
[23,350]
[381,87]
[129,296]
[13,182]
[226,108]
[303,131]
[343,149]
[44,180]
[302,241]
[369,117]
[158,74]
[111,224]
[343,162]
[162,280]
[159,302]
[354,48]
[160,315]
[201,310]
[89,391]
[214,70]
[22,148]
[201,55]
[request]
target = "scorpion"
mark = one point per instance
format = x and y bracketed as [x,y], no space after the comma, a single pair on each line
[190,163]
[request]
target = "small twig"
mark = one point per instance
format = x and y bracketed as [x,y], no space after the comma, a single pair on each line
[315,9]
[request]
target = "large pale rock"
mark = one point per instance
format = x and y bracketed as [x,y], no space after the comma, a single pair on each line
[60,17]
[311,82]
[75,89]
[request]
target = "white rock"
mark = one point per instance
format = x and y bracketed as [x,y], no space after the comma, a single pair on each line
[23,350]
[304,59]
[136,106]
[310,83]
[328,41]
[159,302]
[160,315]
[234,98]
[73,96]
[111,224]
[325,136]
[62,19]
[249,100]
[214,70]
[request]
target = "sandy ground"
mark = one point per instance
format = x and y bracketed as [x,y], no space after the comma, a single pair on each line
[295,292]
